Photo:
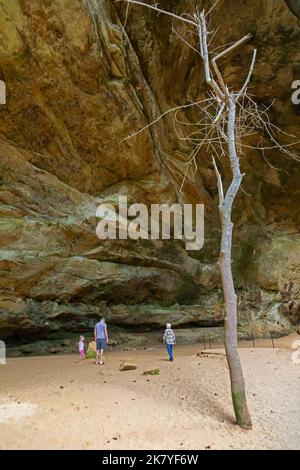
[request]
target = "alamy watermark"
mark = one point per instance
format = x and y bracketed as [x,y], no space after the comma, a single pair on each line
[181,222]
[296,92]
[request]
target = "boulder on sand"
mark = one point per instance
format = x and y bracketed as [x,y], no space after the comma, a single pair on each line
[91,350]
[92,346]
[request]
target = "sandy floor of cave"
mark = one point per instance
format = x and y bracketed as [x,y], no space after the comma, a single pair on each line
[52,402]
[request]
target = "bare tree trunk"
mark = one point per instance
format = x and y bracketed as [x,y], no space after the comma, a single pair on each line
[230,330]
[226,109]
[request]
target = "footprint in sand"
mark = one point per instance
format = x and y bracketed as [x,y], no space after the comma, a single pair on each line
[15,412]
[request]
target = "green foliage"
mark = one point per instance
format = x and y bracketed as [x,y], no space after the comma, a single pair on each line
[90,354]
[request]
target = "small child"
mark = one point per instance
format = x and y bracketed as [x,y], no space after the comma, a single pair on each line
[81,349]
[170,339]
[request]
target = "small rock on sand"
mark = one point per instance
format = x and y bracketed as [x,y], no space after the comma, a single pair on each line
[211,353]
[127,366]
[151,372]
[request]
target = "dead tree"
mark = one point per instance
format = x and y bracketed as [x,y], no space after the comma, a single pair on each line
[227,102]
[227,117]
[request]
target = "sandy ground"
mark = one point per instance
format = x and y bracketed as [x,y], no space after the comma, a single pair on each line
[54,403]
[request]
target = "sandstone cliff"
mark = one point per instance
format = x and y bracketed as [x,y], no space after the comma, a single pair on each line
[77,85]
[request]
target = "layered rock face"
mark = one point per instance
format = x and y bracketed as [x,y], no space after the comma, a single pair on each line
[78,83]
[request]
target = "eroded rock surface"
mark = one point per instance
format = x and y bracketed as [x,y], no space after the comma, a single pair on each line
[77,85]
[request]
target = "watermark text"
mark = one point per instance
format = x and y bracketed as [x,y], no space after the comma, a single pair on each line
[181,222]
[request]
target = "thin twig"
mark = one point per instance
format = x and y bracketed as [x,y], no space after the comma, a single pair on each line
[219,182]
[244,88]
[159,10]
[160,117]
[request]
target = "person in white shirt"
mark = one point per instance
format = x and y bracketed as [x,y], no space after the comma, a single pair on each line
[170,339]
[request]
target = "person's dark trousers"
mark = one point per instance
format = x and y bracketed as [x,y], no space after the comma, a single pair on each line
[170,351]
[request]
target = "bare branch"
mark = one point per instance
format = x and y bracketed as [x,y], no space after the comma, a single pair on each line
[203,45]
[234,46]
[219,182]
[220,112]
[155,8]
[160,117]
[126,16]
[244,88]
[222,54]
[211,9]
[185,42]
